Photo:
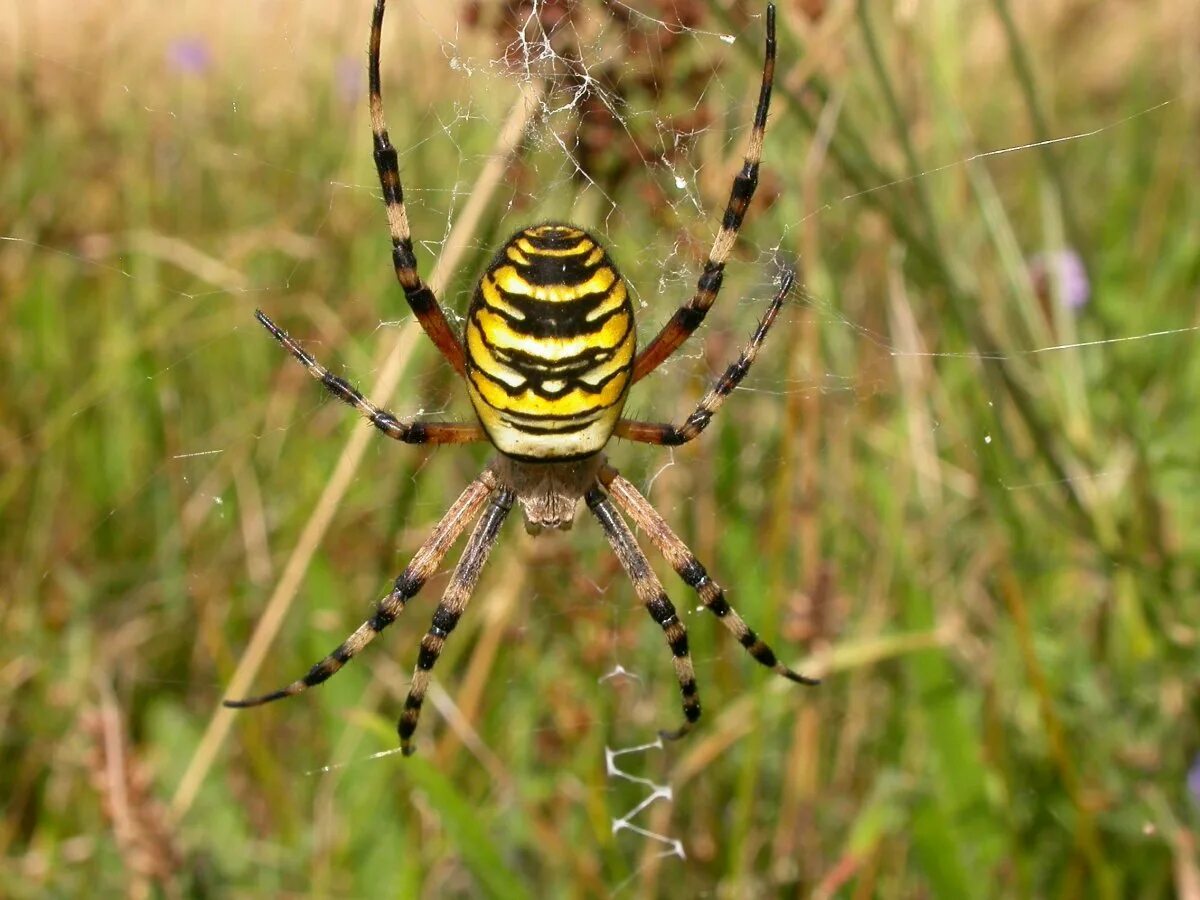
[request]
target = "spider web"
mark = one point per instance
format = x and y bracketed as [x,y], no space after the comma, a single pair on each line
[672,166]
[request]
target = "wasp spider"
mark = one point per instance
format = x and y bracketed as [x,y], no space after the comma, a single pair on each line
[548,357]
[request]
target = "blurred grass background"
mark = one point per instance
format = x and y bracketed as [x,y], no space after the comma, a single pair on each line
[960,483]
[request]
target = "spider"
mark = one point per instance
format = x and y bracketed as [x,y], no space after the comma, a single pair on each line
[548,358]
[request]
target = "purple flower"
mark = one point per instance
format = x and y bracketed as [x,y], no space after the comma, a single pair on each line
[348,79]
[189,54]
[1193,780]
[1060,273]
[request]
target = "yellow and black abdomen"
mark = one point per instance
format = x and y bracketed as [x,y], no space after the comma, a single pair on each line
[550,345]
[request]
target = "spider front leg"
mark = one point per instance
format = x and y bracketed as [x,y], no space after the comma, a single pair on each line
[650,591]
[673,435]
[691,571]
[395,428]
[411,580]
[450,609]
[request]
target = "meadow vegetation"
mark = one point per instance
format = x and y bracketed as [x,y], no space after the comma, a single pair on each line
[960,484]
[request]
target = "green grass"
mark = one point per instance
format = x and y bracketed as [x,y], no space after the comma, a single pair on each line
[973,511]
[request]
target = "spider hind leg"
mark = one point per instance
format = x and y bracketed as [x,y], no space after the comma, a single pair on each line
[420,296]
[689,316]
[394,427]
[674,435]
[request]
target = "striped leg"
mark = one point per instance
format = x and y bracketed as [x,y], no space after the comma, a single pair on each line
[654,598]
[408,432]
[689,316]
[411,580]
[682,561]
[420,297]
[673,435]
[453,602]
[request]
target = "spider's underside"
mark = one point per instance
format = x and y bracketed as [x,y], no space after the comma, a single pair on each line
[548,355]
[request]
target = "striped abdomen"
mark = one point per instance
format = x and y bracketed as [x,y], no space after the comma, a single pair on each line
[550,345]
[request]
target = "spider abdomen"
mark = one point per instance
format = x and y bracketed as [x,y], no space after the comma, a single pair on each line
[550,343]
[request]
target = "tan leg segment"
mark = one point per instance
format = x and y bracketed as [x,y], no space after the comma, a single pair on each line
[650,591]
[411,580]
[450,609]
[689,569]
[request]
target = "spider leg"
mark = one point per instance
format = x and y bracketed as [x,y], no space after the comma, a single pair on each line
[689,316]
[691,571]
[450,608]
[388,423]
[673,435]
[411,580]
[419,295]
[650,591]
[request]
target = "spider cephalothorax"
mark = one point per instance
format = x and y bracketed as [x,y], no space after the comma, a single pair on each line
[549,356]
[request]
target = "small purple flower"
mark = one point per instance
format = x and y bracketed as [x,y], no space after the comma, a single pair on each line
[348,79]
[1060,273]
[1193,780]
[189,54]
